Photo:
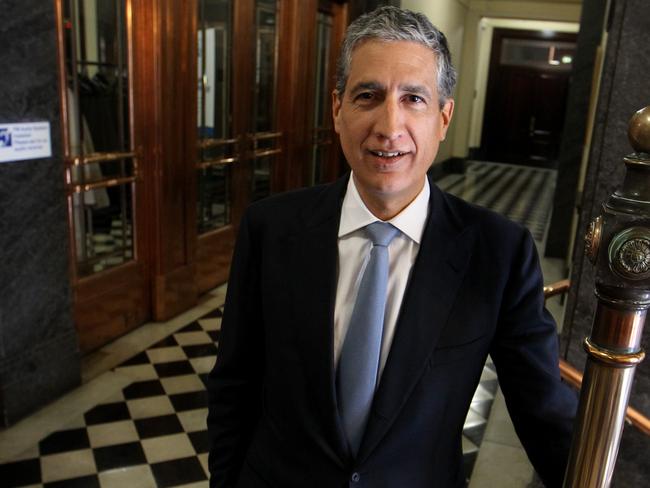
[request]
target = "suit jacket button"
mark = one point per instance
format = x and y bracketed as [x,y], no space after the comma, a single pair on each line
[355,477]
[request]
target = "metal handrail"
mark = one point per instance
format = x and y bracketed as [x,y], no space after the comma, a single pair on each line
[101,184]
[632,416]
[266,152]
[206,143]
[217,162]
[99,158]
[573,377]
[557,288]
[258,136]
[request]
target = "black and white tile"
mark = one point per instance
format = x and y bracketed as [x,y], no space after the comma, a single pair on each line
[521,193]
[152,432]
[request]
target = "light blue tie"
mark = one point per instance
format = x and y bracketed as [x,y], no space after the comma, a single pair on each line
[359,360]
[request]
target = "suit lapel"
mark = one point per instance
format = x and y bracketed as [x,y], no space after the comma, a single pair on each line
[315,260]
[428,300]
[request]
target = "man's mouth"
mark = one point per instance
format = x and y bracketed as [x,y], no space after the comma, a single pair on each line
[388,154]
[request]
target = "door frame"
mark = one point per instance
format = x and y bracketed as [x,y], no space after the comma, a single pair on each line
[492,87]
[486,28]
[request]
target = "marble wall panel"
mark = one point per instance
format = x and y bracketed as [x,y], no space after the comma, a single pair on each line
[39,356]
[575,125]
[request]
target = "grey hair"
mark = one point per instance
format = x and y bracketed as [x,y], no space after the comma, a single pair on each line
[394,24]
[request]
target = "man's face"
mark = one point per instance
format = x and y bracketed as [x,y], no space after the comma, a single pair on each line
[389,120]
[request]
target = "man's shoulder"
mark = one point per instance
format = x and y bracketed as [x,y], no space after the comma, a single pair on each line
[299,206]
[290,198]
[492,239]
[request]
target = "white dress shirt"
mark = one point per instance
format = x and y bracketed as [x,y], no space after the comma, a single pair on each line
[354,251]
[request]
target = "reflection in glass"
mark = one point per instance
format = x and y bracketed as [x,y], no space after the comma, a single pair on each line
[108,237]
[264,103]
[214,68]
[214,114]
[97,74]
[540,54]
[97,99]
[214,197]
[322,118]
[265,52]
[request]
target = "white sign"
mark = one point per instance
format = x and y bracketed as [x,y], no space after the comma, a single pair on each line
[28,140]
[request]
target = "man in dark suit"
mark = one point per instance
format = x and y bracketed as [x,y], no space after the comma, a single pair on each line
[303,395]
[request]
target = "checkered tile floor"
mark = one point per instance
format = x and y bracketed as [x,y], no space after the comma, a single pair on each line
[153,433]
[521,193]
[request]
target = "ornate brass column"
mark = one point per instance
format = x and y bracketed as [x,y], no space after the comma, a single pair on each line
[618,244]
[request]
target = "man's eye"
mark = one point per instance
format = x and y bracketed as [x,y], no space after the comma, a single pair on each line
[364,96]
[415,99]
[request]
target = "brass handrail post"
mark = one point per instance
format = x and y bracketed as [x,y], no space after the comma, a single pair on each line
[618,244]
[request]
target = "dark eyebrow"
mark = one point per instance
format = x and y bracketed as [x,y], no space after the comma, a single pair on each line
[416,90]
[366,85]
[376,86]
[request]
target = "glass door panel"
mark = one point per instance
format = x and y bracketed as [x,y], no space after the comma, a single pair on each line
[102,169]
[217,149]
[322,122]
[101,164]
[238,139]
[265,138]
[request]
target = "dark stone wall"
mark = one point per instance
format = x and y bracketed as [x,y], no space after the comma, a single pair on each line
[575,124]
[624,90]
[39,357]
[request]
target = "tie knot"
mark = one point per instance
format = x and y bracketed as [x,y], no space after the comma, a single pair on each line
[381,233]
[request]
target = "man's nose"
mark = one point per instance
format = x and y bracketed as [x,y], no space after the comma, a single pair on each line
[390,121]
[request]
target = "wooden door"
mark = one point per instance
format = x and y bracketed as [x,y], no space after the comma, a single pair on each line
[218,162]
[103,167]
[265,75]
[238,138]
[526,97]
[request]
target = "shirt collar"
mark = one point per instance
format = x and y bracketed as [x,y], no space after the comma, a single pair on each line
[410,221]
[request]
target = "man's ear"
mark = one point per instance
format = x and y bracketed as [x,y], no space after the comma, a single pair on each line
[445,117]
[336,109]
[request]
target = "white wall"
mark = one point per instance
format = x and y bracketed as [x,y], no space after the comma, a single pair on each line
[511,14]
[448,16]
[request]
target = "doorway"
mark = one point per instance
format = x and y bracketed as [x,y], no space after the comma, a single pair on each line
[526,96]
[176,116]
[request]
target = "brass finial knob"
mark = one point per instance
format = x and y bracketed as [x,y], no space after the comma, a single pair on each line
[639,131]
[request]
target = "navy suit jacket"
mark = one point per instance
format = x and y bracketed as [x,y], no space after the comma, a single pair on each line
[476,288]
